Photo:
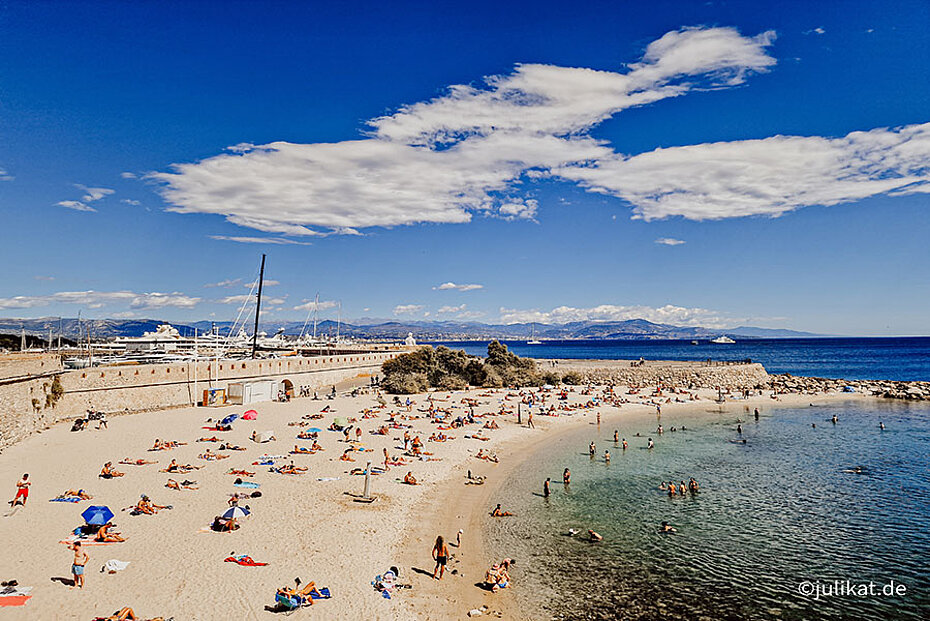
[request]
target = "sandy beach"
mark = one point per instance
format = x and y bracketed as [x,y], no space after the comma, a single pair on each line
[308,526]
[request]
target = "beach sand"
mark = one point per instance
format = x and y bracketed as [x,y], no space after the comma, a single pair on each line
[302,526]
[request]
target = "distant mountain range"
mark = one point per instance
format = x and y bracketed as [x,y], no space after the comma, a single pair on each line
[633,329]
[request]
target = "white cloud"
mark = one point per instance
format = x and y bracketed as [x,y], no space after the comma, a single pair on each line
[770,176]
[93,194]
[75,205]
[460,154]
[407,309]
[265,283]
[470,315]
[259,240]
[128,175]
[451,286]
[670,241]
[99,299]
[5,176]
[239,299]
[309,305]
[225,283]
[817,30]
[450,309]
[124,315]
[668,314]
[129,201]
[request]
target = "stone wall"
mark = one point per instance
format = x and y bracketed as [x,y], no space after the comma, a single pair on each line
[683,375]
[909,391]
[26,405]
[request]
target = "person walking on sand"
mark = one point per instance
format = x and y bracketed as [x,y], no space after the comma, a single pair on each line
[546,488]
[77,565]
[441,556]
[22,491]
[529,420]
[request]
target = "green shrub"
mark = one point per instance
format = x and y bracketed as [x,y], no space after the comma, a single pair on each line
[572,378]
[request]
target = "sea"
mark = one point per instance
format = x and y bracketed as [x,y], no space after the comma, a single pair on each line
[783,527]
[902,358]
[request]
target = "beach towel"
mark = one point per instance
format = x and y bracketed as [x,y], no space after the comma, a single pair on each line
[244,560]
[248,484]
[328,479]
[67,499]
[112,566]
[15,596]
[323,594]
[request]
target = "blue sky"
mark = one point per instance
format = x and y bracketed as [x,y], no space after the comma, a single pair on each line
[148,150]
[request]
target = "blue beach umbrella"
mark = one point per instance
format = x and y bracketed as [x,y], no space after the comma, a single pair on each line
[98,515]
[235,512]
[314,430]
[228,420]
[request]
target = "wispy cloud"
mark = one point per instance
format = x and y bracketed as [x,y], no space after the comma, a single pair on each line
[239,299]
[5,176]
[408,309]
[224,283]
[259,240]
[670,241]
[450,309]
[265,283]
[130,201]
[128,175]
[310,305]
[669,314]
[451,286]
[460,154]
[99,299]
[75,205]
[90,195]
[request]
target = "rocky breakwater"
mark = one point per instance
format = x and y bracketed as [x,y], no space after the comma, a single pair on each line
[910,391]
[687,375]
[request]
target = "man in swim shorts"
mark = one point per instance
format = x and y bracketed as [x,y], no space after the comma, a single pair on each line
[77,565]
[22,491]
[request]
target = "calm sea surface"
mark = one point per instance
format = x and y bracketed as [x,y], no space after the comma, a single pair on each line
[847,358]
[774,516]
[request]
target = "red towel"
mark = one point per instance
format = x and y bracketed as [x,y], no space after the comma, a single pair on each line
[245,562]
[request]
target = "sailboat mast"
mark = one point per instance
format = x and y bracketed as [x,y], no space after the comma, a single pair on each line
[258,306]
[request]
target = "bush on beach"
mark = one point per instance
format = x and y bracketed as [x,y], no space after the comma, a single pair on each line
[454,370]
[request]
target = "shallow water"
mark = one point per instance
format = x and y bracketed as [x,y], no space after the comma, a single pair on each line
[771,514]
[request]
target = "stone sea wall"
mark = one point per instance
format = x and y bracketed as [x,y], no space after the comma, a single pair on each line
[751,376]
[910,391]
[37,392]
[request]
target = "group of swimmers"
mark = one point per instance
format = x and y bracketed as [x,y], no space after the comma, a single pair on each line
[681,489]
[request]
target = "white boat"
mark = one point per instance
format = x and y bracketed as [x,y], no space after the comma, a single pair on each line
[534,340]
[723,340]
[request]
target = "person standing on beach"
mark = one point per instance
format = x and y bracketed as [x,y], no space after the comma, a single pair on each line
[529,419]
[441,556]
[567,476]
[77,565]
[546,488]
[22,491]
[756,413]
[616,436]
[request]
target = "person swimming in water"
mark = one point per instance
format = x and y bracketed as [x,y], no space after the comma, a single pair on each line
[607,456]
[834,419]
[650,444]
[667,528]
[881,425]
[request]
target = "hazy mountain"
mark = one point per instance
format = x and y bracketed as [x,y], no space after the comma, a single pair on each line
[633,329]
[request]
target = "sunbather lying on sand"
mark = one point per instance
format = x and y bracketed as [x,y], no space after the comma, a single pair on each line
[242,473]
[231,447]
[307,592]
[487,456]
[172,484]
[126,614]
[75,494]
[290,469]
[211,456]
[300,450]
[221,524]
[105,535]
[166,445]
[213,439]
[136,462]
[409,479]
[174,466]
[345,456]
[108,472]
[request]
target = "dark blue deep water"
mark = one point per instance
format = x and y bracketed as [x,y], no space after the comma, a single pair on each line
[847,358]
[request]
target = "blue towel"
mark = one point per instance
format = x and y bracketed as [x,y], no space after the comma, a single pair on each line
[248,484]
[324,594]
[68,499]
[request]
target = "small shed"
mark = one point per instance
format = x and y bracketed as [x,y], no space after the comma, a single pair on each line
[246,393]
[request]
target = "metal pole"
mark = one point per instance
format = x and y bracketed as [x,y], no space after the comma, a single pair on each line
[367,493]
[258,306]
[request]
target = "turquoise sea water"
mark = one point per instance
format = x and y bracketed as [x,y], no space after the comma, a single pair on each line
[774,516]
